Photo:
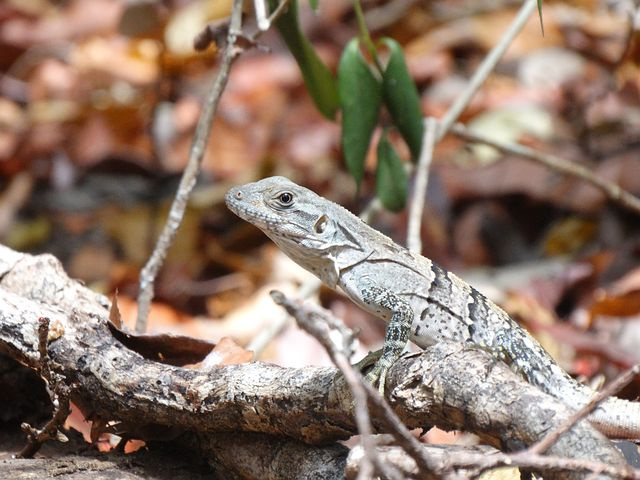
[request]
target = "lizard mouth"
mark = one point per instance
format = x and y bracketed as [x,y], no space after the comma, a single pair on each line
[257,214]
[238,204]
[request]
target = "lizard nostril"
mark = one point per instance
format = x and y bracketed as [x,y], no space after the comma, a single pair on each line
[239,195]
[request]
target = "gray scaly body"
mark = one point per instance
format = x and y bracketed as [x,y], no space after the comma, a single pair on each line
[420,300]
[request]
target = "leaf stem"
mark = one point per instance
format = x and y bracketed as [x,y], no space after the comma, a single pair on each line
[365,36]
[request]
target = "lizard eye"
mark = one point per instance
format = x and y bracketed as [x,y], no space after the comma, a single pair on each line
[286,199]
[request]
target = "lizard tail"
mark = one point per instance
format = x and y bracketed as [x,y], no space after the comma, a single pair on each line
[614,417]
[617,418]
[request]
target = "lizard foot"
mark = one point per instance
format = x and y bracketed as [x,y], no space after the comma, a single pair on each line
[377,375]
[370,359]
[498,355]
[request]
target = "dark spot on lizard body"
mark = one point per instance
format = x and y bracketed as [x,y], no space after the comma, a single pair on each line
[477,310]
[440,287]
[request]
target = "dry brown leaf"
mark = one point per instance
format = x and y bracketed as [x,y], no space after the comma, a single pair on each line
[516,175]
[569,235]
[473,30]
[624,305]
[165,348]
[135,62]
[226,352]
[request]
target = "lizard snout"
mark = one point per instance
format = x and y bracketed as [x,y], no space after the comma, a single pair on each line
[233,195]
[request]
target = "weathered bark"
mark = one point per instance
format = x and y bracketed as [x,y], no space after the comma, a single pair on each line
[254,455]
[158,465]
[188,457]
[485,397]
[450,386]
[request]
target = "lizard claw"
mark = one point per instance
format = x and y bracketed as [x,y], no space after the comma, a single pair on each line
[378,374]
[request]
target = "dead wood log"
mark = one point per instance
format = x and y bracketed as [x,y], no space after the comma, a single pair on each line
[451,386]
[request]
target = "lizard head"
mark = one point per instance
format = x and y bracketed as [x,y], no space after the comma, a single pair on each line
[282,209]
[298,220]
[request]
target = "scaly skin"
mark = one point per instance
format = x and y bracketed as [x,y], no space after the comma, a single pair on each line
[420,300]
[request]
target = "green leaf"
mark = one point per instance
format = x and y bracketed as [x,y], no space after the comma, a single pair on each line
[391,178]
[317,77]
[402,99]
[540,15]
[314,5]
[360,98]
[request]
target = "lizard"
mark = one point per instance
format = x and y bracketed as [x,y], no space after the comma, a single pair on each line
[419,300]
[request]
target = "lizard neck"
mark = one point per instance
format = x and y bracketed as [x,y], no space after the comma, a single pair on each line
[342,245]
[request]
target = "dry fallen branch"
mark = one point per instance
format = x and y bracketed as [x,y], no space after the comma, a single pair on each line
[169,463]
[452,386]
[457,461]
[59,394]
[259,456]
[337,340]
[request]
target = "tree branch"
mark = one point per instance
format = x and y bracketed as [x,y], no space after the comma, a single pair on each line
[419,196]
[611,190]
[451,386]
[189,176]
[485,68]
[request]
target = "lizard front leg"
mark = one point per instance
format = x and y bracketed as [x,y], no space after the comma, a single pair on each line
[397,333]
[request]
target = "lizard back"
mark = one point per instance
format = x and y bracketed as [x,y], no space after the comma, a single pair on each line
[346,253]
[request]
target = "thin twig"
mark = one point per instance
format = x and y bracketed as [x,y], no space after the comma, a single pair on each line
[43,337]
[59,394]
[552,437]
[541,463]
[320,323]
[200,140]
[363,419]
[338,341]
[414,241]
[485,68]
[260,9]
[610,189]
[404,438]
[264,23]
[280,9]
